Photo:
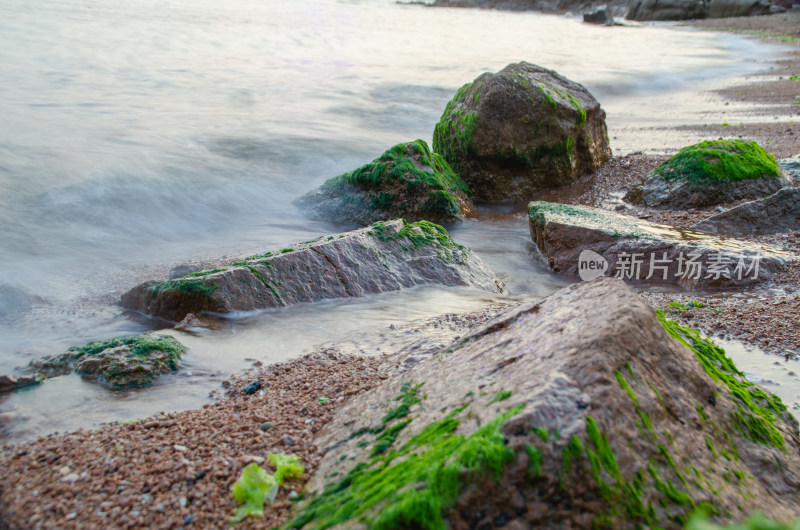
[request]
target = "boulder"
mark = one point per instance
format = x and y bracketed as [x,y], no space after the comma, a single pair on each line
[520,130]
[407,181]
[666,10]
[384,257]
[711,173]
[738,8]
[584,242]
[777,213]
[601,15]
[584,409]
[121,362]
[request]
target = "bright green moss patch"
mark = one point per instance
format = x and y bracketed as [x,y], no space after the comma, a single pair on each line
[421,234]
[756,411]
[186,286]
[501,396]
[453,135]
[255,486]
[720,161]
[757,521]
[139,346]
[411,488]
[534,460]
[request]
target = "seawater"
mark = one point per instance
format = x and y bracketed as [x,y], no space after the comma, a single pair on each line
[137,135]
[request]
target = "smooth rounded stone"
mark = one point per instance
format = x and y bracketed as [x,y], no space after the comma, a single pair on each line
[288,440]
[570,400]
[121,362]
[184,269]
[526,128]
[252,388]
[587,243]
[711,173]
[407,181]
[267,425]
[779,212]
[386,256]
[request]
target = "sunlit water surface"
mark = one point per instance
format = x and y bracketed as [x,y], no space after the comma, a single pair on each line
[137,135]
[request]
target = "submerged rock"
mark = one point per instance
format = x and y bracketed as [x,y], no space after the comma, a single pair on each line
[384,257]
[9,383]
[777,213]
[406,181]
[120,362]
[16,300]
[584,242]
[517,131]
[584,409]
[711,173]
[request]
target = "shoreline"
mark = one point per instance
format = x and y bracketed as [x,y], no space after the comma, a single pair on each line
[159,472]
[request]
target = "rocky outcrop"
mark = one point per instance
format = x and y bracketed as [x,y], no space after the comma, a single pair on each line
[584,242]
[739,8]
[693,9]
[407,181]
[601,15]
[584,409]
[618,7]
[520,130]
[9,383]
[711,173]
[777,213]
[121,362]
[384,257]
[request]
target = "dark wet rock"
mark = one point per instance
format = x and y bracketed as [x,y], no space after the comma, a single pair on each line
[520,130]
[601,15]
[407,181]
[9,383]
[15,300]
[252,388]
[777,213]
[792,168]
[606,243]
[711,173]
[740,8]
[584,409]
[120,362]
[384,257]
[666,9]
[267,425]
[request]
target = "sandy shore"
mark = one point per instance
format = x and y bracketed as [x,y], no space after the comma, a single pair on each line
[175,469]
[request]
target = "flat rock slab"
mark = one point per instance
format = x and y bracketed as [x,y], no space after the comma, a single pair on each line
[780,212]
[384,257]
[585,242]
[584,409]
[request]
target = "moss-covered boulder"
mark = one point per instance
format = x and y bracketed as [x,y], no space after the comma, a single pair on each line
[711,173]
[387,256]
[585,242]
[586,409]
[407,181]
[120,362]
[525,128]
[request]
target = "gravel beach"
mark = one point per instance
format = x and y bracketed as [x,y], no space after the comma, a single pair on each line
[175,470]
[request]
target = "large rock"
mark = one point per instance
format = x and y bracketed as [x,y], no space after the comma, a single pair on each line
[777,213]
[711,173]
[384,257]
[666,9]
[577,411]
[739,8]
[585,242]
[407,181]
[520,130]
[121,362]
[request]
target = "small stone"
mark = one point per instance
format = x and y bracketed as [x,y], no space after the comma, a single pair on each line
[69,479]
[189,519]
[288,440]
[293,494]
[181,448]
[252,388]
[267,425]
[183,501]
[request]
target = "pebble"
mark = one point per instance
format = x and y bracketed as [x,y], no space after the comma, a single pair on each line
[288,440]
[252,388]
[181,448]
[267,425]
[183,501]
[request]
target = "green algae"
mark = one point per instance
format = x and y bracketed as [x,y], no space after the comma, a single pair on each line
[502,395]
[534,460]
[410,488]
[139,346]
[756,521]
[720,161]
[263,279]
[453,135]
[414,236]
[186,286]
[756,411]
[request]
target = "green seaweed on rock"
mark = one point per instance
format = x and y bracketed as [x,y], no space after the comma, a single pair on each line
[720,161]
